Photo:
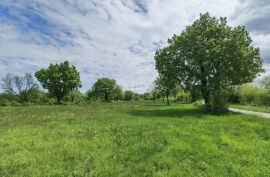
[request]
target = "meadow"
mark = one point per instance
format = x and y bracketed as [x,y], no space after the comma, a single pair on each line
[131,139]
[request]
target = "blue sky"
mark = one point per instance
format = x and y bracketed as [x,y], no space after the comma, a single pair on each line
[112,38]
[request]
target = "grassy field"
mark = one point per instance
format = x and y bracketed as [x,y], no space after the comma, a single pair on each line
[264,109]
[131,139]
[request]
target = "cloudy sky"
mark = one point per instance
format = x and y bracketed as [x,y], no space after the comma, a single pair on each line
[112,38]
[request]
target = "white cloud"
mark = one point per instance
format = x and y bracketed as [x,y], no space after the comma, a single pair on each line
[113,38]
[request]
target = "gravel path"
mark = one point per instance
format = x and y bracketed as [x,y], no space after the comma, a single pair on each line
[266,115]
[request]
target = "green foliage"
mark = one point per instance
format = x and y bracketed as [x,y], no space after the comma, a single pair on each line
[131,139]
[128,95]
[165,86]
[147,96]
[9,99]
[166,82]
[39,97]
[118,93]
[212,56]
[105,89]
[59,79]
[75,97]
[8,96]
[183,97]
[265,83]
[251,95]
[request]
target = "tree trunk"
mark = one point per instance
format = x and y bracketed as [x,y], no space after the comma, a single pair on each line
[58,99]
[106,97]
[206,94]
[168,102]
[206,97]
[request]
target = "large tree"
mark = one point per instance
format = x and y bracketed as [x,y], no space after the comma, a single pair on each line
[105,89]
[213,56]
[21,86]
[59,79]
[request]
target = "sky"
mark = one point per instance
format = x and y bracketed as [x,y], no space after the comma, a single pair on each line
[112,38]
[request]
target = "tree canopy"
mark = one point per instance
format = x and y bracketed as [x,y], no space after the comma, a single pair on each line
[59,79]
[166,82]
[213,56]
[106,89]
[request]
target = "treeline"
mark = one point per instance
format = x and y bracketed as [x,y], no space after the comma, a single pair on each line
[209,60]
[62,83]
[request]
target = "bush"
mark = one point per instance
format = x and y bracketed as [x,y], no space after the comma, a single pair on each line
[4,102]
[128,95]
[250,95]
[183,97]
[219,102]
[198,103]
[15,103]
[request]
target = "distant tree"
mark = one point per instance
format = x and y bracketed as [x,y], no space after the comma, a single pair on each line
[75,97]
[128,95]
[38,96]
[155,93]
[166,83]
[118,93]
[137,96]
[212,56]
[147,96]
[105,89]
[21,86]
[165,86]
[265,83]
[59,79]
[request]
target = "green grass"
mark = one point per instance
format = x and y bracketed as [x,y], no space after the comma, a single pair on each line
[131,139]
[264,109]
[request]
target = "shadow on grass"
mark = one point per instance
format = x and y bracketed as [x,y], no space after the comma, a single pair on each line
[157,104]
[169,113]
[175,112]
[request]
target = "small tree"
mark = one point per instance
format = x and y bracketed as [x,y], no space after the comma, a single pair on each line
[165,86]
[213,56]
[105,89]
[128,95]
[21,86]
[59,79]
[166,83]
[265,83]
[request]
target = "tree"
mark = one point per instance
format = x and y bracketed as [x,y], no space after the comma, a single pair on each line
[59,79]
[166,83]
[128,95]
[165,86]
[21,86]
[213,56]
[118,93]
[265,83]
[105,89]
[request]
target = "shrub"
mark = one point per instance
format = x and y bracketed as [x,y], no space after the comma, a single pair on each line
[4,102]
[183,97]
[15,103]
[250,95]
[219,100]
